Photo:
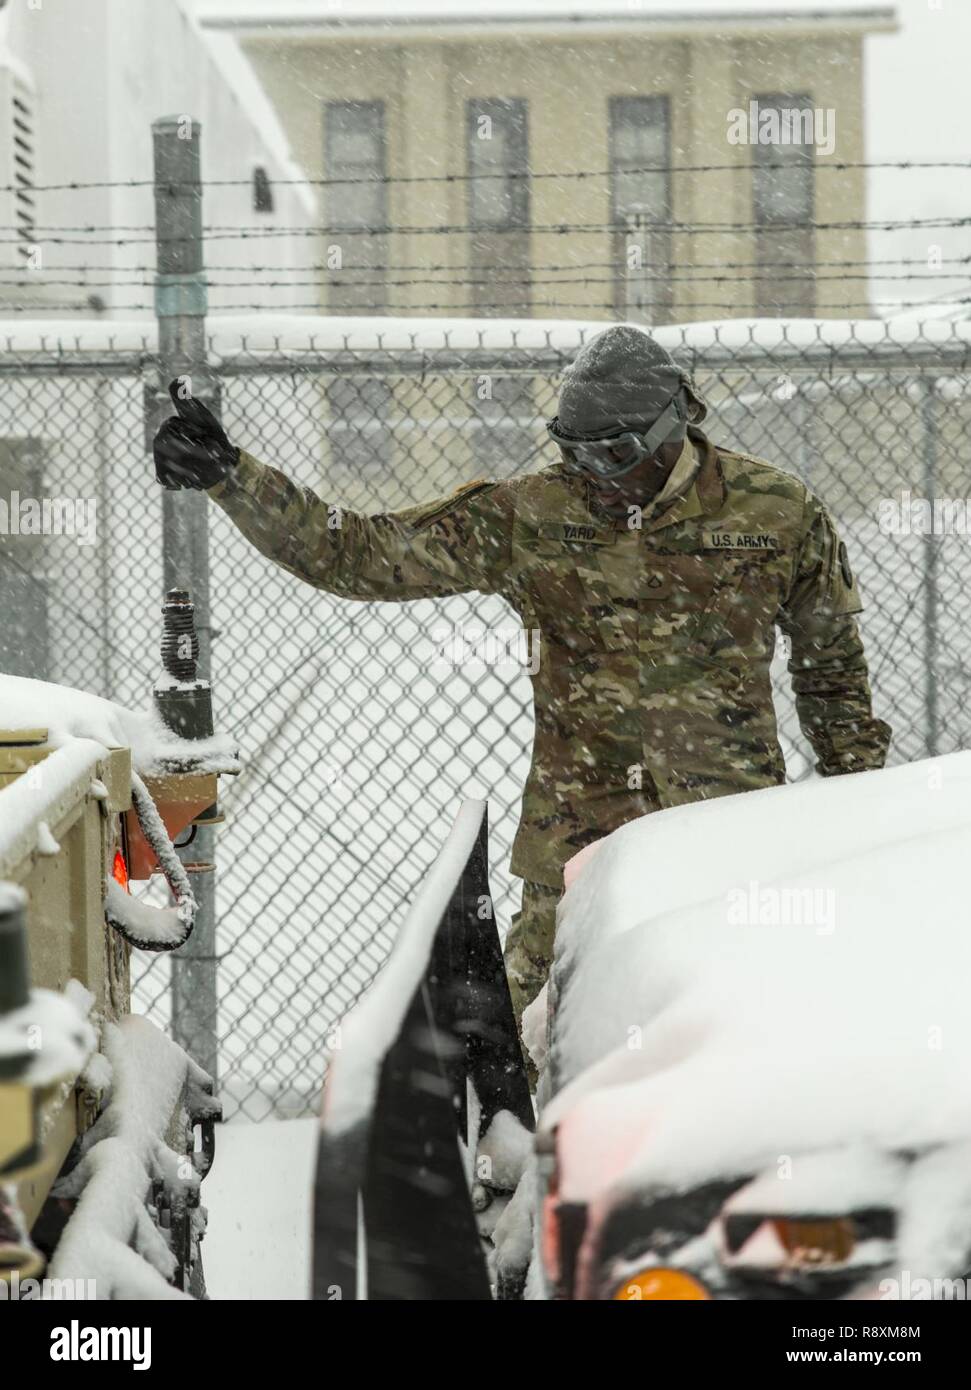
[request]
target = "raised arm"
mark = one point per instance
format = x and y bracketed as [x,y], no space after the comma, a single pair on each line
[449,546]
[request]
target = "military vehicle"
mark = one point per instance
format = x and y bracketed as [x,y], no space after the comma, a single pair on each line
[106,1124]
[754,1076]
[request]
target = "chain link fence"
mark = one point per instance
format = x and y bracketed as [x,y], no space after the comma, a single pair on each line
[357,739]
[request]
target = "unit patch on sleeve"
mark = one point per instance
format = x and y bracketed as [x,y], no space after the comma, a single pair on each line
[845,566]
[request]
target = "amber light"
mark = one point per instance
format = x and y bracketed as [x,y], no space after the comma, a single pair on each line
[659,1283]
[812,1243]
[119,870]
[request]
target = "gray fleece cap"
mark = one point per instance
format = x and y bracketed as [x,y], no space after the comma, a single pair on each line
[623,379]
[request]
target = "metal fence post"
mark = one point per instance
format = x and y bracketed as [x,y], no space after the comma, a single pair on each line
[180,307]
[930,544]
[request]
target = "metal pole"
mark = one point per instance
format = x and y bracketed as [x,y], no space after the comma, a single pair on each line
[180,307]
[929,544]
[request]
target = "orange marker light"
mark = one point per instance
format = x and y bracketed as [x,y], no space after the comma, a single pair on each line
[119,870]
[660,1283]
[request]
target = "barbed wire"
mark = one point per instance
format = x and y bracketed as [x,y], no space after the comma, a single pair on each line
[529,268]
[215,230]
[514,309]
[733,166]
[346,281]
[214,233]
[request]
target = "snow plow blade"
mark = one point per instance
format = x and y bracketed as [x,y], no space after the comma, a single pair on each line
[393,1212]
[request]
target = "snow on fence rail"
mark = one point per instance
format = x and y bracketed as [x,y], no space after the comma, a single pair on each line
[357,739]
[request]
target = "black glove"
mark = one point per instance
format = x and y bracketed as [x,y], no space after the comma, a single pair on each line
[191,449]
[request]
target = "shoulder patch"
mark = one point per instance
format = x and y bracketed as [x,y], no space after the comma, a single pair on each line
[845,565]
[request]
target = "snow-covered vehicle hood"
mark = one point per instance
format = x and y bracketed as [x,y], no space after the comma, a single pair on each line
[745,983]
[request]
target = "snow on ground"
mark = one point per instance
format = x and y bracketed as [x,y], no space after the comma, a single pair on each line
[259,1195]
[803,985]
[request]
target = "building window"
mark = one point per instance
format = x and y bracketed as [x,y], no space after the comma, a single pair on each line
[497,158]
[783,192]
[498,164]
[262,190]
[356,206]
[640,137]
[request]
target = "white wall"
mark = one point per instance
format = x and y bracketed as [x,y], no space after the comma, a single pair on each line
[103,70]
[918,107]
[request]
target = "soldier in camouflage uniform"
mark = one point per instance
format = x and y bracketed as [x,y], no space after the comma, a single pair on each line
[656,567]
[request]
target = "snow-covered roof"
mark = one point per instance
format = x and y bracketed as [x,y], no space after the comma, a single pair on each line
[335,15]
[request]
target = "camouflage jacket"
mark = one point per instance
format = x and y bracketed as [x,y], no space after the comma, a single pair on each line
[652,687]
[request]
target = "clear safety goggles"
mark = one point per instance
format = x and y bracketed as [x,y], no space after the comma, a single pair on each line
[614,455]
[607,458]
